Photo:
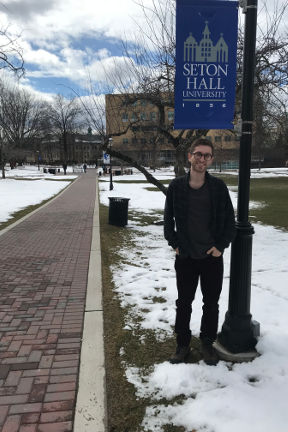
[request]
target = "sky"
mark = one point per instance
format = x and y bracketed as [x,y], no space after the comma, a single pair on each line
[250,397]
[66,43]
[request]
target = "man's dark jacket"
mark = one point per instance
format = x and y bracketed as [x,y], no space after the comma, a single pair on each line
[176,214]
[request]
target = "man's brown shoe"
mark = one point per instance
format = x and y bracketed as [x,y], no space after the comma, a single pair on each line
[182,353]
[210,355]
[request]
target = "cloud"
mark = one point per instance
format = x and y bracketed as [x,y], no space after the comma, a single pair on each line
[25,9]
[44,20]
[103,53]
[10,80]
[77,41]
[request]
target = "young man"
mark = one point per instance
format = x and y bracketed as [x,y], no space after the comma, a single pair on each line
[199,224]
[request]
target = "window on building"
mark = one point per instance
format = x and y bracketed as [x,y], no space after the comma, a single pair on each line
[153,116]
[134,116]
[143,102]
[217,138]
[134,141]
[170,115]
[143,141]
[143,116]
[208,137]
[124,117]
[227,138]
[125,141]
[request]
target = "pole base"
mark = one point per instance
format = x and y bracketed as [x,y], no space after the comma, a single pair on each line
[239,333]
[226,355]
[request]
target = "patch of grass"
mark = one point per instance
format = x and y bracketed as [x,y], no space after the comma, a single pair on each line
[230,180]
[172,428]
[145,219]
[158,299]
[59,180]
[272,192]
[152,189]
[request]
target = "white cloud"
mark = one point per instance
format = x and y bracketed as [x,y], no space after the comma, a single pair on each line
[68,18]
[51,35]
[103,53]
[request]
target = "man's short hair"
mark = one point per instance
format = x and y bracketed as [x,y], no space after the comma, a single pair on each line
[201,141]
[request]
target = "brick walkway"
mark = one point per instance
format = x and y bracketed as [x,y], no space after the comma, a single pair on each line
[43,278]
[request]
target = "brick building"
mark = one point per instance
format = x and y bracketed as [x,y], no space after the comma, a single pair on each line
[80,148]
[136,120]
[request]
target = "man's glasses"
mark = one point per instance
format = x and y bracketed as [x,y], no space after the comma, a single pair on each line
[198,155]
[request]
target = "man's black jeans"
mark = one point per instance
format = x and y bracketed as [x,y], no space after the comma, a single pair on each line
[188,272]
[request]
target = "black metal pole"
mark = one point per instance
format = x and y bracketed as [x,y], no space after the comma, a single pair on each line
[239,332]
[111,181]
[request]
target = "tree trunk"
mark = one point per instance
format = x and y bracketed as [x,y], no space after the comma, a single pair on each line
[150,178]
[179,163]
[3,170]
[2,164]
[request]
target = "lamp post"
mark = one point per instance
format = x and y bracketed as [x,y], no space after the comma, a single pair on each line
[38,159]
[111,181]
[239,332]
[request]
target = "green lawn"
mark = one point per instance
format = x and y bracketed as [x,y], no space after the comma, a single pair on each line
[273,194]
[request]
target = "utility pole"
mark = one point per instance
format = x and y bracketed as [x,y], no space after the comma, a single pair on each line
[239,331]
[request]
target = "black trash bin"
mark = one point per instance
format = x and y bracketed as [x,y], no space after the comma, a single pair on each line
[118,211]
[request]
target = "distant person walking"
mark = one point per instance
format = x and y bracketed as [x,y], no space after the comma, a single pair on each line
[64,167]
[199,224]
[84,167]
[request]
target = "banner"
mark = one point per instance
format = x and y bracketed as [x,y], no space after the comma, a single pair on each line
[206,48]
[106,158]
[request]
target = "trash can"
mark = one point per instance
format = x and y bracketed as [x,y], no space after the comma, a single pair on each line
[118,211]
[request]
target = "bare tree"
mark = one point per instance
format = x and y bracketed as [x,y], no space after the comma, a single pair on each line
[64,116]
[147,74]
[271,73]
[21,121]
[10,52]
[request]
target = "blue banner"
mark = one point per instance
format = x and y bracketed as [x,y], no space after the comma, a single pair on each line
[206,49]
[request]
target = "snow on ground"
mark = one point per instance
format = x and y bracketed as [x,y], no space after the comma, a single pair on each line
[32,171]
[250,397]
[16,194]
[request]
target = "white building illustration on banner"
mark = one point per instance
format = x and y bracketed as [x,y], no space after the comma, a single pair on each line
[205,51]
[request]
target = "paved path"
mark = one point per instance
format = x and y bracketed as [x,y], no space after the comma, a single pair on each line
[44,262]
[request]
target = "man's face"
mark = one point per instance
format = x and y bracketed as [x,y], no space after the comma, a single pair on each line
[201,158]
